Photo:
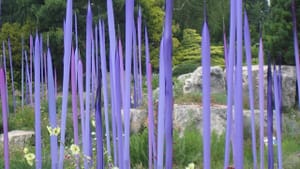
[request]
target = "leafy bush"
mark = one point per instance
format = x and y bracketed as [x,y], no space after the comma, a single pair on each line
[185,67]
[139,148]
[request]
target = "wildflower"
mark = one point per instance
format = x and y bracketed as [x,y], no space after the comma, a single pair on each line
[190,166]
[53,131]
[30,158]
[273,140]
[75,149]
[30,162]
[56,131]
[25,150]
[93,123]
[114,167]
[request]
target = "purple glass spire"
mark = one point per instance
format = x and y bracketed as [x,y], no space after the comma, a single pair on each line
[206,95]
[129,11]
[261,102]
[251,95]
[52,111]
[4,118]
[104,84]
[11,74]
[38,134]
[167,36]
[67,55]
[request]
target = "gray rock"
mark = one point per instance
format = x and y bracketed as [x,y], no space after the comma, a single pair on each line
[288,85]
[183,77]
[18,137]
[138,118]
[187,116]
[194,83]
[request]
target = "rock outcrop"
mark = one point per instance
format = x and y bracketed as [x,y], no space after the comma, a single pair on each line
[193,83]
[18,137]
[186,116]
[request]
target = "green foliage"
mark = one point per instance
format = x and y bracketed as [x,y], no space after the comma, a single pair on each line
[187,53]
[185,67]
[15,32]
[278,31]
[153,18]
[189,49]
[139,148]
[57,9]
[188,148]
[190,14]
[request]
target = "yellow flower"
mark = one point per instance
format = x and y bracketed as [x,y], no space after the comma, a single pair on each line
[93,123]
[75,149]
[30,162]
[56,131]
[53,131]
[30,158]
[25,150]
[49,130]
[190,166]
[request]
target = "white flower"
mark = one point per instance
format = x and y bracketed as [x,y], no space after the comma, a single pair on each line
[25,150]
[56,131]
[53,131]
[29,158]
[93,123]
[190,166]
[273,140]
[75,149]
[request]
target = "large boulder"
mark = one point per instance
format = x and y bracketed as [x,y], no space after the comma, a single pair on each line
[18,137]
[138,119]
[194,83]
[288,85]
[187,116]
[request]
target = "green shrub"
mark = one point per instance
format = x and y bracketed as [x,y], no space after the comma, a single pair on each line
[139,148]
[188,148]
[185,67]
